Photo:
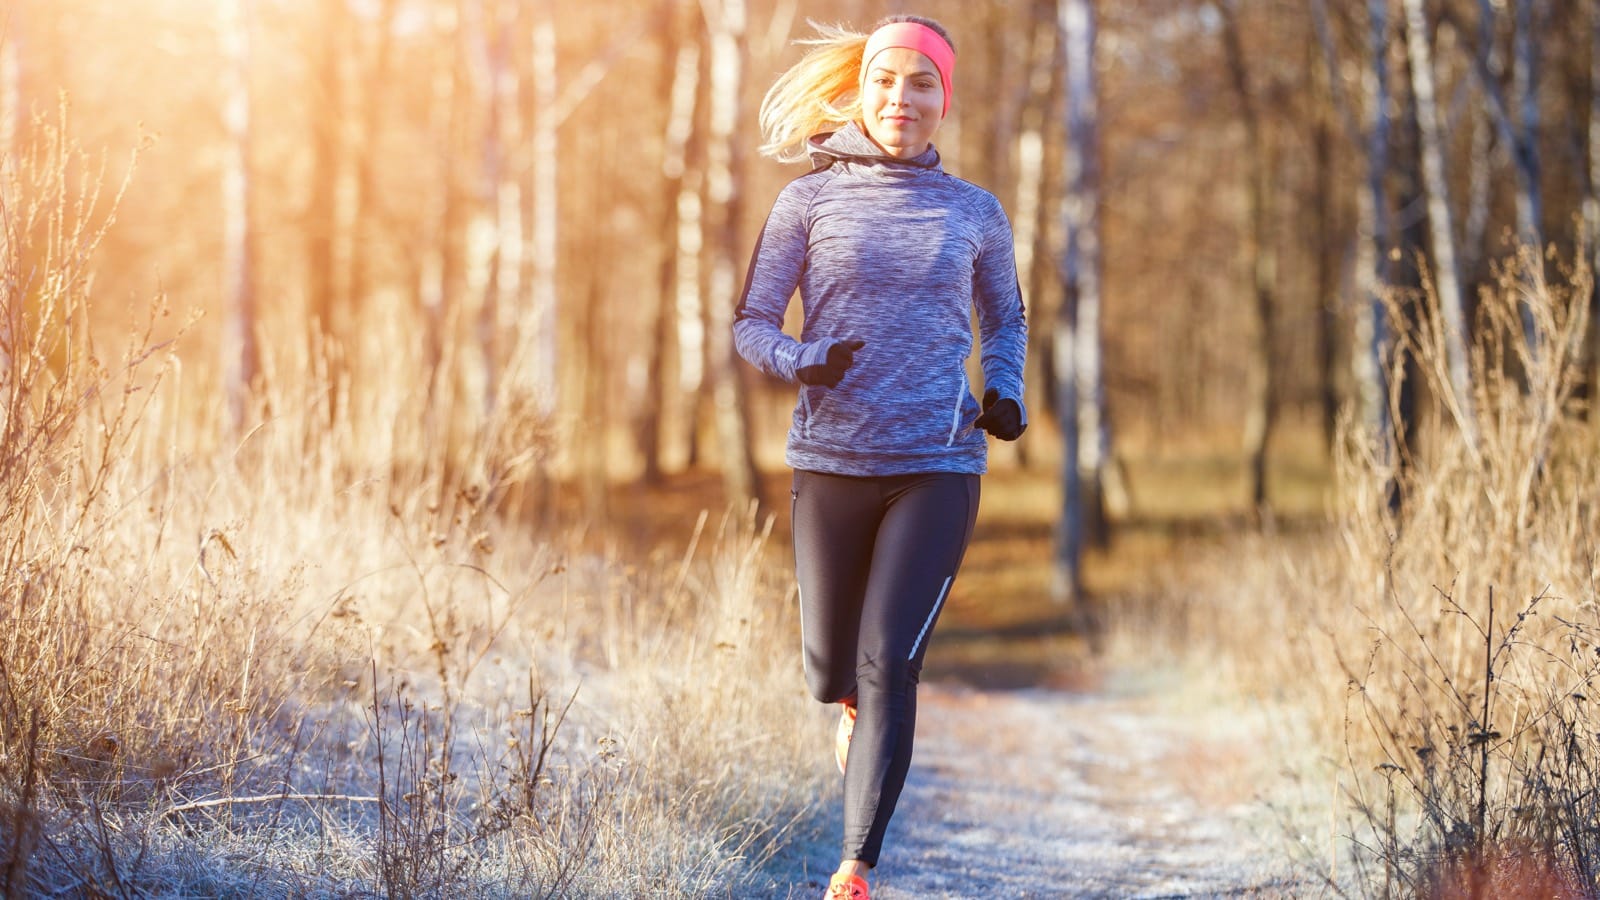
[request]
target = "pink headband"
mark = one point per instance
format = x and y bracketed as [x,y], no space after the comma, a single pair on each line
[924,40]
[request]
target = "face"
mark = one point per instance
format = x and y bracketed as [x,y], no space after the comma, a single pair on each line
[902,101]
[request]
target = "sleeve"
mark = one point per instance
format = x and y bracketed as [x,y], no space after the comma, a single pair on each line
[997,294]
[776,265]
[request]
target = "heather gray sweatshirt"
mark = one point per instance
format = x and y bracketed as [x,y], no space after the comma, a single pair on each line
[895,253]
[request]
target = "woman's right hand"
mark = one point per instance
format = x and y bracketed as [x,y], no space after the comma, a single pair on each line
[829,371]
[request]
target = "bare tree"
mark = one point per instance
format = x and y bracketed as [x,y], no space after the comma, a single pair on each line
[375,77]
[544,216]
[724,192]
[241,357]
[1080,393]
[494,232]
[1518,127]
[690,247]
[1446,277]
[1326,234]
[1261,417]
[681,82]
[327,160]
[1371,337]
[1591,200]
[1039,112]
[442,268]
[1372,322]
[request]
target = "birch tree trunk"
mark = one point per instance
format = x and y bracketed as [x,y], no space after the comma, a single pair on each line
[542,254]
[1591,201]
[1261,418]
[1446,280]
[1038,111]
[1518,128]
[691,292]
[1080,394]
[241,357]
[681,76]
[1525,88]
[327,159]
[441,273]
[1371,343]
[375,78]
[725,165]
[1370,337]
[485,231]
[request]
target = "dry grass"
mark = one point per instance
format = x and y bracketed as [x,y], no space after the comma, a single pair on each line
[335,659]
[1432,668]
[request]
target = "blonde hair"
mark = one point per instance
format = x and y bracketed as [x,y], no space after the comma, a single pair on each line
[821,92]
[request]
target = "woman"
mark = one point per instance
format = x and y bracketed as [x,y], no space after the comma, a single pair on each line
[890,256]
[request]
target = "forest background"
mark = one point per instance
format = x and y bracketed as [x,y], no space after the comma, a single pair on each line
[425,308]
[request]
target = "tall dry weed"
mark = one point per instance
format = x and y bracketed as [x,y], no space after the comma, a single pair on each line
[329,655]
[1435,662]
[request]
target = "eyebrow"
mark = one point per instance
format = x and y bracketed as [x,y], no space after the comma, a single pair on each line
[912,74]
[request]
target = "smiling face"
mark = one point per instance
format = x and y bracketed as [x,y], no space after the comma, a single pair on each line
[902,101]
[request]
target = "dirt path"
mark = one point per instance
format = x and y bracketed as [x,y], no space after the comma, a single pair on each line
[1041,793]
[1050,793]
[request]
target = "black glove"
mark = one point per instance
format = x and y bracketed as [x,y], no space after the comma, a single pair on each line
[1001,417]
[830,371]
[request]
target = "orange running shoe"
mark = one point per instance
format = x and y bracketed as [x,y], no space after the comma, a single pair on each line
[847,887]
[847,727]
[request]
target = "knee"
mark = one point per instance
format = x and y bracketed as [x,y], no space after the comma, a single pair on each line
[887,673]
[827,686]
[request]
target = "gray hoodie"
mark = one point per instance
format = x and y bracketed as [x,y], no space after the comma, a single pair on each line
[896,253]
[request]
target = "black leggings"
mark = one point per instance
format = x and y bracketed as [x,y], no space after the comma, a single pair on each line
[875,558]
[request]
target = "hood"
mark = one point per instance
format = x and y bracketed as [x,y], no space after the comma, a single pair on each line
[851,144]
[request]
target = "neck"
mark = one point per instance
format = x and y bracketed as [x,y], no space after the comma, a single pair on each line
[895,152]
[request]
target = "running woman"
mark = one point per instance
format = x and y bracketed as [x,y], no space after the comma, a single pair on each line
[890,255]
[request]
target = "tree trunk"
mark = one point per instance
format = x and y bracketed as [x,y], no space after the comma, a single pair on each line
[1591,202]
[1371,344]
[1261,417]
[1525,88]
[241,357]
[1081,396]
[1518,128]
[726,196]
[1327,240]
[544,237]
[1370,338]
[681,78]
[327,158]
[485,231]
[375,79]
[1038,111]
[442,268]
[1446,280]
